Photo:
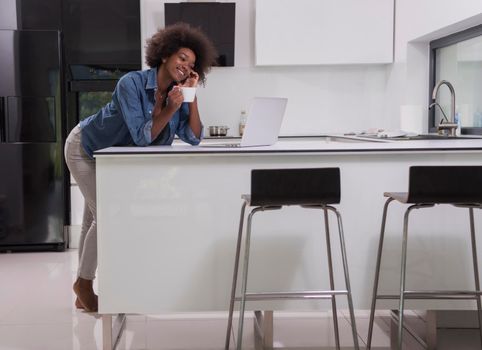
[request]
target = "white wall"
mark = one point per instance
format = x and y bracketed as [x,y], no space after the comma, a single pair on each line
[331,98]
[422,21]
[8,14]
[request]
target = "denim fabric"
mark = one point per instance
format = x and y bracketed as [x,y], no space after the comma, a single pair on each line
[127,120]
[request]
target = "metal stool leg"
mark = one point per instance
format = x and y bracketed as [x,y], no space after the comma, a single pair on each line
[403,275]
[244,281]
[235,276]
[377,274]
[332,280]
[476,270]
[347,279]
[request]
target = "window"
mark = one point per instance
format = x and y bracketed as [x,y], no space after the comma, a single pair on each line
[458,59]
[91,102]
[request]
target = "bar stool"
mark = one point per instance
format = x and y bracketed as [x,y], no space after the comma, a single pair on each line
[460,186]
[271,189]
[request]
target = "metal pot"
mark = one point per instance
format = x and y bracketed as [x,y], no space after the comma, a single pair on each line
[217,130]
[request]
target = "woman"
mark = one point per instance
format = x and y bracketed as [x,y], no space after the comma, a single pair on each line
[146,109]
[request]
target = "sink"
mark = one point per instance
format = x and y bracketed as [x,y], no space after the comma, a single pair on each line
[347,139]
[423,137]
[441,137]
[329,138]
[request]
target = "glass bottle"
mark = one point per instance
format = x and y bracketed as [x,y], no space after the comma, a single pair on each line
[242,122]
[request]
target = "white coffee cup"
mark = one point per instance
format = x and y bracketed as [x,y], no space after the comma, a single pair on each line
[189,93]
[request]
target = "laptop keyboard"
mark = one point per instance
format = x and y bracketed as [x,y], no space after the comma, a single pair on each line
[222,145]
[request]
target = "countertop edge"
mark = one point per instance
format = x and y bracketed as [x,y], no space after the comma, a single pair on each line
[103,153]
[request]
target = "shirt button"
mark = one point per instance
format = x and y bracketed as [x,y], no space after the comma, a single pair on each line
[150,111]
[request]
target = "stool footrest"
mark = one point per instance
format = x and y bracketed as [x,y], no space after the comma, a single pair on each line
[434,294]
[293,295]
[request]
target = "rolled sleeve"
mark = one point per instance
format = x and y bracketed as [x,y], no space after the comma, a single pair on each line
[148,131]
[189,136]
[127,97]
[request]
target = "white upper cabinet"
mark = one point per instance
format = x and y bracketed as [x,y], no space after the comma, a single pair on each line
[311,32]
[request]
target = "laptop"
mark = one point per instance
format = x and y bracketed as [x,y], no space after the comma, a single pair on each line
[262,125]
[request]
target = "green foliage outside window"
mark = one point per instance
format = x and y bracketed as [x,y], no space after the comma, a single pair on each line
[91,102]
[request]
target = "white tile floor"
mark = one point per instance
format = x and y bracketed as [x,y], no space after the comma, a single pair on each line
[36,312]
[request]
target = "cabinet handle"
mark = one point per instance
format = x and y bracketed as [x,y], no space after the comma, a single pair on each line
[2,119]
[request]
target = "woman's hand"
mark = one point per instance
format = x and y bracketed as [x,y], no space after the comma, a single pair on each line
[174,99]
[192,80]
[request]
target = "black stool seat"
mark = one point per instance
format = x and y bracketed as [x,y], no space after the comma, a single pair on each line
[271,189]
[442,185]
[295,186]
[460,186]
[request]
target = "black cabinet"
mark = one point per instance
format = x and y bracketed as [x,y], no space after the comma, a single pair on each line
[39,14]
[105,33]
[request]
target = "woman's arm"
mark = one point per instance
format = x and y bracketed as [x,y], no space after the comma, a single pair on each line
[194,118]
[161,115]
[126,98]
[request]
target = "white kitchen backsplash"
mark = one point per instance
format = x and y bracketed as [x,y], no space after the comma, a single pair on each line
[321,99]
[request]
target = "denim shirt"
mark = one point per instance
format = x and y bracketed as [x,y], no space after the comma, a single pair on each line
[127,119]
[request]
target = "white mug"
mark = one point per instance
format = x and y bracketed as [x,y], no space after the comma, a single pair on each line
[189,93]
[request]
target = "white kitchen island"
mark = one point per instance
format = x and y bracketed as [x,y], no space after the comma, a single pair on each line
[168,219]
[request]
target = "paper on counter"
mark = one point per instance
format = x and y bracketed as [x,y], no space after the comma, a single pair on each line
[412,119]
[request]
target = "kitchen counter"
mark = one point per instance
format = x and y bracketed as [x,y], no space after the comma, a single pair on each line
[168,219]
[322,144]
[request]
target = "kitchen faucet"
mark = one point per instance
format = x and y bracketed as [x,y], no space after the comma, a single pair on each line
[449,125]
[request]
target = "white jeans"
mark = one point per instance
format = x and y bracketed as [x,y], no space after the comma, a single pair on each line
[82,169]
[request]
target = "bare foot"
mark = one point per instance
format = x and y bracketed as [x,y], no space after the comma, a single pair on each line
[85,295]
[78,304]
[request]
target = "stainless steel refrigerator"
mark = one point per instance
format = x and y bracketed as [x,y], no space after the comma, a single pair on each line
[32,201]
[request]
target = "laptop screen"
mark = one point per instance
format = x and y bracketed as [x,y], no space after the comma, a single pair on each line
[264,121]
